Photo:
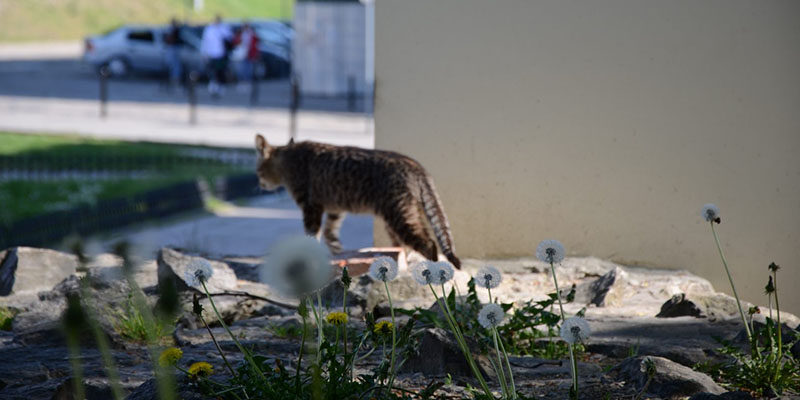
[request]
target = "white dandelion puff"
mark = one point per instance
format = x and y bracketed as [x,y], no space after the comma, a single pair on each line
[575,329]
[488,277]
[491,315]
[423,272]
[297,266]
[443,272]
[550,251]
[197,272]
[383,269]
[710,212]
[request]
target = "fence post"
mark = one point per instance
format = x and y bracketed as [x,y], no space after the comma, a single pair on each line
[254,85]
[192,91]
[103,76]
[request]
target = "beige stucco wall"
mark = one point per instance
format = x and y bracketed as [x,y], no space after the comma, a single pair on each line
[605,124]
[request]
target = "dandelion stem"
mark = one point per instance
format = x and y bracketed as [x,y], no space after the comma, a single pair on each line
[344,308]
[500,368]
[778,314]
[508,364]
[219,349]
[460,339]
[394,339]
[300,355]
[573,363]
[244,351]
[733,288]
[75,360]
[490,294]
[319,327]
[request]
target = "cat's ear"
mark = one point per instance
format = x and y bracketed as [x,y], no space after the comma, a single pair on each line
[291,141]
[262,146]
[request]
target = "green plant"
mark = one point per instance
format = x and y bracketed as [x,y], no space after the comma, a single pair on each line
[6,318]
[769,368]
[131,324]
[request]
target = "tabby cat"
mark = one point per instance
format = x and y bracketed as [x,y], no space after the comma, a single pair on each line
[333,180]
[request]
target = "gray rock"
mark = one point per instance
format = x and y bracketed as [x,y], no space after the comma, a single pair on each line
[605,291]
[737,395]
[27,269]
[172,265]
[679,306]
[671,380]
[439,354]
[149,391]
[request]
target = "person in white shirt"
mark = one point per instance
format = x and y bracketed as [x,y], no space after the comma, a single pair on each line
[214,47]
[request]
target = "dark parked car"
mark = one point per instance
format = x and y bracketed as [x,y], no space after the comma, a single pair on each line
[131,48]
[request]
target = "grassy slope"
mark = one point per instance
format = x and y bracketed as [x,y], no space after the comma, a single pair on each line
[21,199]
[38,20]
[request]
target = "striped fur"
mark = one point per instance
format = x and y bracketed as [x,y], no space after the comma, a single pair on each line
[331,180]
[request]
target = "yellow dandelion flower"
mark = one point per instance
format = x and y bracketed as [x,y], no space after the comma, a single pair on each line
[201,369]
[337,318]
[170,357]
[383,328]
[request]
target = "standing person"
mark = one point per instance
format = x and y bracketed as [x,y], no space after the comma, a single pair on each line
[213,46]
[172,39]
[245,54]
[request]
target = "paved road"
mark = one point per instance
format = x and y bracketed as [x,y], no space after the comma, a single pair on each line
[56,71]
[45,88]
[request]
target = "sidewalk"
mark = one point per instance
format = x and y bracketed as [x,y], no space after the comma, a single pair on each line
[165,122]
[246,230]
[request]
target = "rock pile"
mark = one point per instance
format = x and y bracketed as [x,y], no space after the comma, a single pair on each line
[670,316]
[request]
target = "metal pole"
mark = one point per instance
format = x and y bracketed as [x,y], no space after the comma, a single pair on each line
[254,84]
[103,76]
[192,91]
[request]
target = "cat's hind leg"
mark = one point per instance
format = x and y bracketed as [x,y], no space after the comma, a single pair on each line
[330,232]
[413,233]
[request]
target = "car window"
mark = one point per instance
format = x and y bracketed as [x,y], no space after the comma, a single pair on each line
[141,36]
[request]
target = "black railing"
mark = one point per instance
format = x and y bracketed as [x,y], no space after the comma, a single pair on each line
[106,215]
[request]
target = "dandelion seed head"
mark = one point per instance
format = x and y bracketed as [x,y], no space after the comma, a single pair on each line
[197,272]
[575,330]
[443,272]
[488,277]
[423,272]
[710,212]
[383,269]
[550,251]
[297,266]
[491,315]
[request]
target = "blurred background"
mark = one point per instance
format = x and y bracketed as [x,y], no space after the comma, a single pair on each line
[136,120]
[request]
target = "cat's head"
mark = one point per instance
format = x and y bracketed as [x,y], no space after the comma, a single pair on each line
[269,177]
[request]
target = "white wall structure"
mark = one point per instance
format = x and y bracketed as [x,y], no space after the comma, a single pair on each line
[605,124]
[329,47]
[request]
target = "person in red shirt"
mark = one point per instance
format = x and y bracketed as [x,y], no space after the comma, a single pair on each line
[246,54]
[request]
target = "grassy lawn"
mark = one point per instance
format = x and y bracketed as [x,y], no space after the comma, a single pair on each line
[159,165]
[26,20]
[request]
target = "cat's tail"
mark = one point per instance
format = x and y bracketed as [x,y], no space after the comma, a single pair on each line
[438,220]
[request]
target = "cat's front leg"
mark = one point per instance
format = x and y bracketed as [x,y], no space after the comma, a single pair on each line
[333,223]
[312,219]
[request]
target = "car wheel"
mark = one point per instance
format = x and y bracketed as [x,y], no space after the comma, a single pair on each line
[118,67]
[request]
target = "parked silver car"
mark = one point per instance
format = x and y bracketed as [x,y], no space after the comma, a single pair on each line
[141,48]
